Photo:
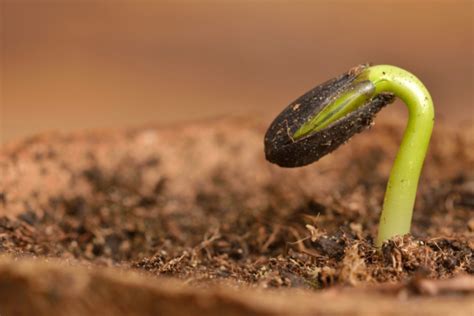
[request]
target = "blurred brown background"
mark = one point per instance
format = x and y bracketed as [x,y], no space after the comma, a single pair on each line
[69,65]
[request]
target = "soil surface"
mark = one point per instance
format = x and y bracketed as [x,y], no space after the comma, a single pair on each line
[199,203]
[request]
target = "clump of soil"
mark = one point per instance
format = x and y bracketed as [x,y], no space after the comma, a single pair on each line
[199,203]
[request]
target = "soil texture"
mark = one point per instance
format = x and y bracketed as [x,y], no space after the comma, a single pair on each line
[198,203]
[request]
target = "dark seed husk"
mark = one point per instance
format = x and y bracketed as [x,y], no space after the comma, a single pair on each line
[283,150]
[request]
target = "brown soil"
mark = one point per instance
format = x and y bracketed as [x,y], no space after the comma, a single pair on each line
[198,202]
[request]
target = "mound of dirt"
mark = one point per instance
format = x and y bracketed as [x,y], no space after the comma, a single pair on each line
[199,203]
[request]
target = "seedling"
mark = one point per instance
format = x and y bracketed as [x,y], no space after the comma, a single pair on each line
[328,115]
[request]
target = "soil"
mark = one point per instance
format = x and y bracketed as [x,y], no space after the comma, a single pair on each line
[193,213]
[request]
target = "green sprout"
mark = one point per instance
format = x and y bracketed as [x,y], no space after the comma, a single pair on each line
[325,117]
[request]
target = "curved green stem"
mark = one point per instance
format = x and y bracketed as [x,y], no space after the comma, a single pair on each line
[403,182]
